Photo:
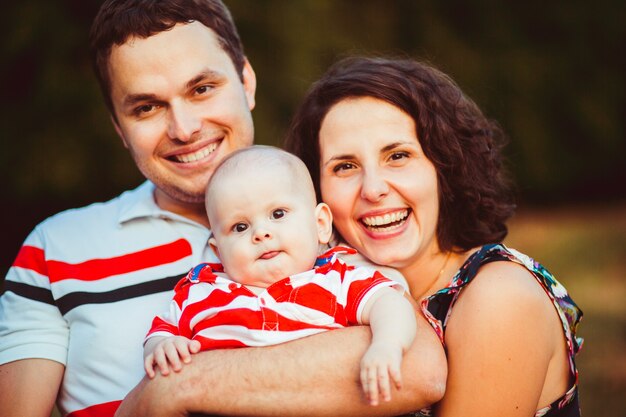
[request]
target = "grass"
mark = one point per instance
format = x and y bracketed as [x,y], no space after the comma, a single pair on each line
[585,248]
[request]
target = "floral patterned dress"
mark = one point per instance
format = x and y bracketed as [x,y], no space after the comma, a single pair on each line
[438,308]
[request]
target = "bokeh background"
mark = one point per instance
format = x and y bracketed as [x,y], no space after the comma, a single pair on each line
[551,72]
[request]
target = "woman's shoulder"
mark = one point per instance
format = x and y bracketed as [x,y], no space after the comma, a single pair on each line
[504,287]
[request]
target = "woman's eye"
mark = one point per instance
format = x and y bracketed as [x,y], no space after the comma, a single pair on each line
[278,214]
[345,166]
[399,155]
[240,227]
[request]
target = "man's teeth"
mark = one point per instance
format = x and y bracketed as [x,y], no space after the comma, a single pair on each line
[196,156]
[385,220]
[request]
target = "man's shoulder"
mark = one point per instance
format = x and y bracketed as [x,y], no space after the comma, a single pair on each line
[104,213]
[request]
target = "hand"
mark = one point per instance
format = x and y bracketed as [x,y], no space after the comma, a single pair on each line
[381,363]
[170,352]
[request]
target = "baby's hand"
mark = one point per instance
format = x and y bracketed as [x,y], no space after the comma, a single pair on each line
[170,352]
[381,363]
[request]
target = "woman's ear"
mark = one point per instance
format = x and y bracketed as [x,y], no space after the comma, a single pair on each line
[324,222]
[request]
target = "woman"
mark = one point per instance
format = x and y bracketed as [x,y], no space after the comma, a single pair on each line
[412,172]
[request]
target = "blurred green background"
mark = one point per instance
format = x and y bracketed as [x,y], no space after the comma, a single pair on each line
[552,73]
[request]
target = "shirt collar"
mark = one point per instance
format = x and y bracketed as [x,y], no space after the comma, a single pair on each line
[140,203]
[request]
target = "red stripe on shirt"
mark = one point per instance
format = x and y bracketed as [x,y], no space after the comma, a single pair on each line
[258,320]
[30,257]
[98,410]
[95,269]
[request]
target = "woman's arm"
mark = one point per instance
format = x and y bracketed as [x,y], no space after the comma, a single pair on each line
[503,338]
[314,376]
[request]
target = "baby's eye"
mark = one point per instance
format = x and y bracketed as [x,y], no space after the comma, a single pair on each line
[278,214]
[240,227]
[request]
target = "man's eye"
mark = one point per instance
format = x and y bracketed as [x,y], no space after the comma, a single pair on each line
[203,89]
[240,227]
[278,214]
[146,108]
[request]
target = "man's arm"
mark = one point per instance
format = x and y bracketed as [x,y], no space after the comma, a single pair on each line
[28,388]
[314,376]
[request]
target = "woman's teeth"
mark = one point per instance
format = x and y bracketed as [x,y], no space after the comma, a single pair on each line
[386,220]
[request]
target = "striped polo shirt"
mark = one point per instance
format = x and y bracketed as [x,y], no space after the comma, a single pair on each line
[221,313]
[85,287]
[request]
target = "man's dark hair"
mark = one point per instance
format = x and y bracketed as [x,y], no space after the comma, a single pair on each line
[475,197]
[119,20]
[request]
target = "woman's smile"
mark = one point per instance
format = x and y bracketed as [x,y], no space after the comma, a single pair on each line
[380,186]
[385,222]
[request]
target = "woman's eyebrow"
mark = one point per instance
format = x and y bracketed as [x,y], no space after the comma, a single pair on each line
[395,145]
[342,157]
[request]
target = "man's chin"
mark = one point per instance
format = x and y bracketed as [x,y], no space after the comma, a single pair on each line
[167,196]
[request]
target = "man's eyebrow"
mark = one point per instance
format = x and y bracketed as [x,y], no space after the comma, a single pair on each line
[133,99]
[204,75]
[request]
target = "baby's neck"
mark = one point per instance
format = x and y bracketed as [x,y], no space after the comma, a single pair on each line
[255,290]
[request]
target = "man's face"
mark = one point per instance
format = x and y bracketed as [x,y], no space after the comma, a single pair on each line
[181,107]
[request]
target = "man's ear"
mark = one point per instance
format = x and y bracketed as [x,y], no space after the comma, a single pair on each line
[213,245]
[119,132]
[249,83]
[324,222]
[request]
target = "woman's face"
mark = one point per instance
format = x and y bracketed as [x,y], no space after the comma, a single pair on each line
[380,186]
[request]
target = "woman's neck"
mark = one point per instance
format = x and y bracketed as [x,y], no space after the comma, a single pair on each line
[433,272]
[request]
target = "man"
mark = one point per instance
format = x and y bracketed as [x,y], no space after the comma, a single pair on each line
[82,291]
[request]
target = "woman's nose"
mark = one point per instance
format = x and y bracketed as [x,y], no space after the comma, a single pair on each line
[374,187]
[182,123]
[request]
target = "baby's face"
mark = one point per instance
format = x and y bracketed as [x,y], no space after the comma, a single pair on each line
[265,227]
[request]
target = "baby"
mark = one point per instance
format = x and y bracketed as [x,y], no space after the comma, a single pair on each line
[271,287]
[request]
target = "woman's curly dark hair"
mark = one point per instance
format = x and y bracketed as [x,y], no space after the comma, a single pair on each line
[475,196]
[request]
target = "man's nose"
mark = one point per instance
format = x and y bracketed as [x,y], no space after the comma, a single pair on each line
[183,124]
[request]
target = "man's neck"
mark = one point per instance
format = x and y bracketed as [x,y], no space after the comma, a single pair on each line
[192,211]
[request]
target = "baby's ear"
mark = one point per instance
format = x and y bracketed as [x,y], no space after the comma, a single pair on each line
[324,222]
[213,245]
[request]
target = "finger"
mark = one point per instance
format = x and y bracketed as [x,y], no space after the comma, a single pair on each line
[364,384]
[172,357]
[396,375]
[372,385]
[161,361]
[182,349]
[148,365]
[194,346]
[383,383]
